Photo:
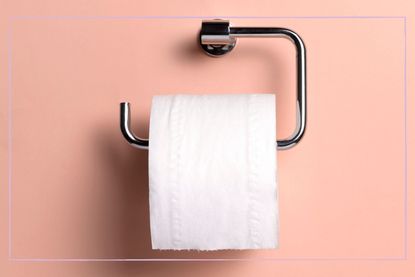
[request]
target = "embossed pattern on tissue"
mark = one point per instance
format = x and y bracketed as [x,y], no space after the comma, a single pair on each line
[175,160]
[254,202]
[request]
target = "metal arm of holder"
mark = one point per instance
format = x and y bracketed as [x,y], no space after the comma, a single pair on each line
[217,38]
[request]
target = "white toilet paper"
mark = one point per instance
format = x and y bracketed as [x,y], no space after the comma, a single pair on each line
[212,172]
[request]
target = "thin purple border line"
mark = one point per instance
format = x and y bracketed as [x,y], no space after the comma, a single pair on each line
[11,258]
[405,149]
[9,110]
[255,259]
[133,17]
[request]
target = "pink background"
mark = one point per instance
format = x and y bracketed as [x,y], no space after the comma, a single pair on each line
[79,191]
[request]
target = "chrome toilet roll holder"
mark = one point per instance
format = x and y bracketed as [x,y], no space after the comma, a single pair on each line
[218,38]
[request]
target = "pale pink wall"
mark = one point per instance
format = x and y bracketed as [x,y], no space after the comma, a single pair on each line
[80,192]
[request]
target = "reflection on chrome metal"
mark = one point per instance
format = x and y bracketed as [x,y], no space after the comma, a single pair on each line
[126,128]
[217,38]
[214,37]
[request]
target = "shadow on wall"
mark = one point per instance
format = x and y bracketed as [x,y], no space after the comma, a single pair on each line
[128,232]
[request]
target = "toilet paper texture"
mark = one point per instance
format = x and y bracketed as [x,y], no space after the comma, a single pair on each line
[212,172]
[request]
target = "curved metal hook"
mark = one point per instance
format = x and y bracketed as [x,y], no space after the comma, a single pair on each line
[126,128]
